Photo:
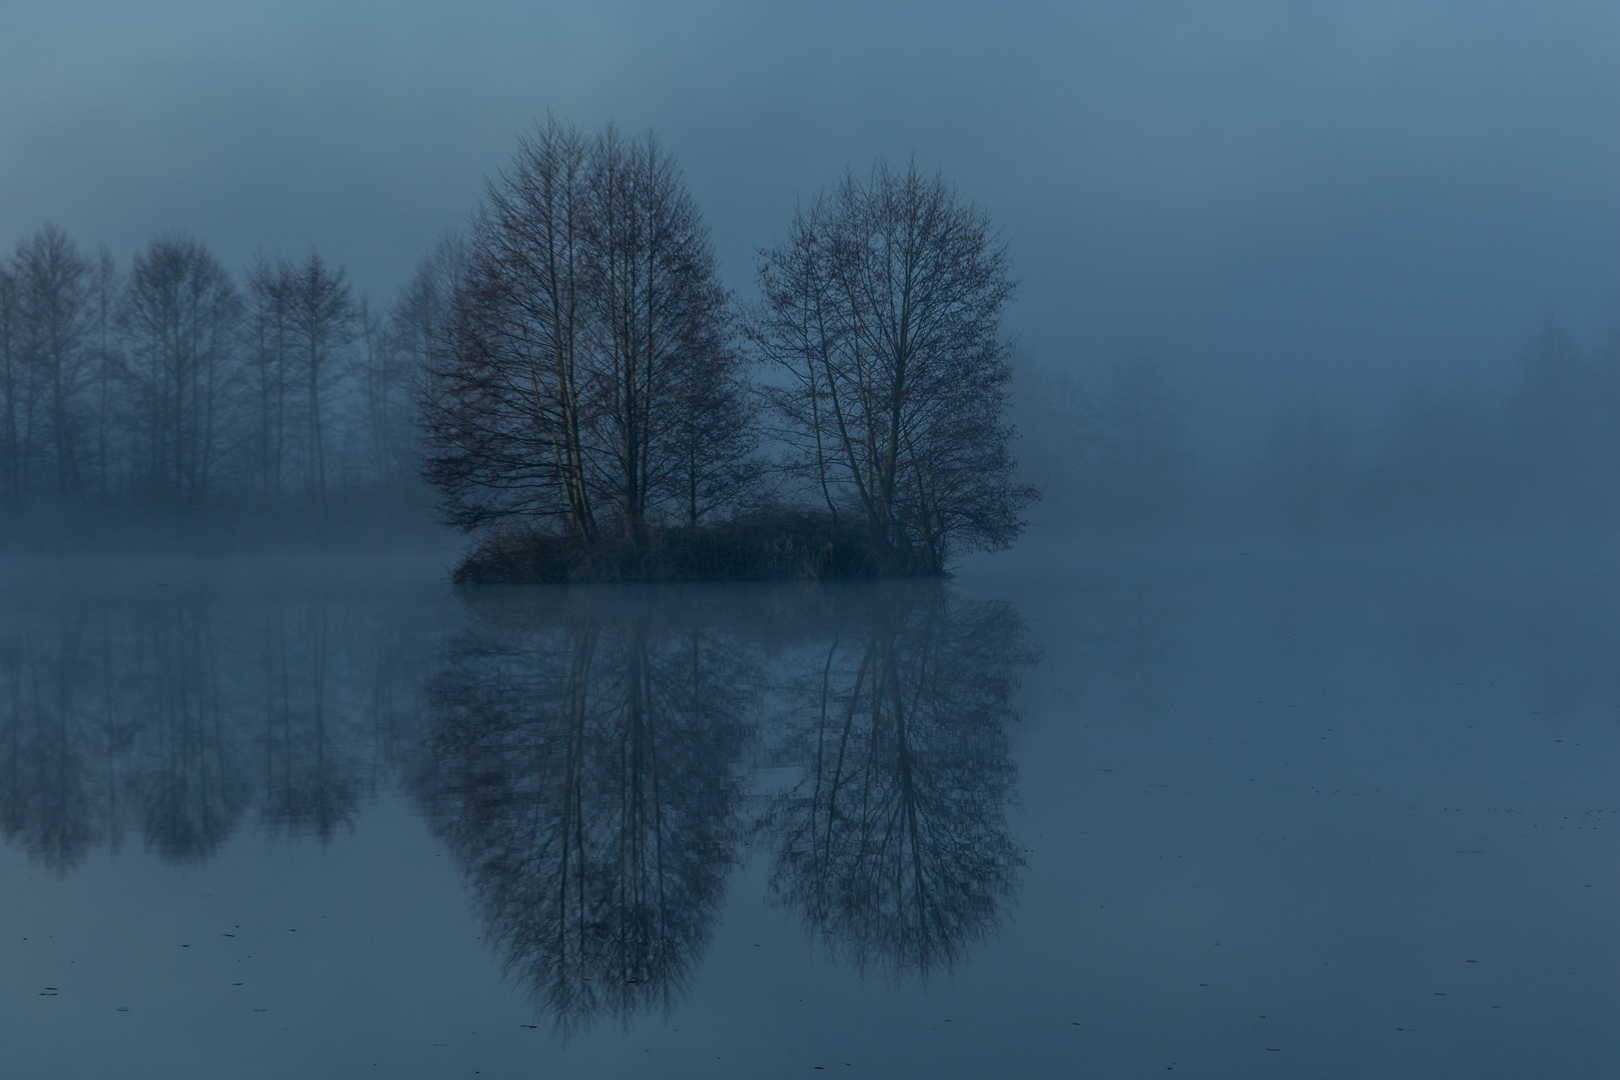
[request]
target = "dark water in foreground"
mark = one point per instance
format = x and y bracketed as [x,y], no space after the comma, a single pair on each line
[1248,821]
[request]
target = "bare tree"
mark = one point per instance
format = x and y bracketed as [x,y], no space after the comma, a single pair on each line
[588,317]
[1144,468]
[106,288]
[883,307]
[13,386]
[716,440]
[180,315]
[659,329]
[320,323]
[267,330]
[52,304]
[501,409]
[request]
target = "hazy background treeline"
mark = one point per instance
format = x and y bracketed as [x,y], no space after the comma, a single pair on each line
[171,389]
[171,396]
[1114,451]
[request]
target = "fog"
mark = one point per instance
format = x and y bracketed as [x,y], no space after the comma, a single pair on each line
[1279,206]
[1118,455]
[1279,730]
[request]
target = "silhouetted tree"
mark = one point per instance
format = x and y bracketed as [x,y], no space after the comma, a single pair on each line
[320,328]
[1304,469]
[883,306]
[14,396]
[272,383]
[51,316]
[1144,467]
[106,288]
[589,314]
[179,317]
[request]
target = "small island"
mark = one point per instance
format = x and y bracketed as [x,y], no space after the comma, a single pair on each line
[587,407]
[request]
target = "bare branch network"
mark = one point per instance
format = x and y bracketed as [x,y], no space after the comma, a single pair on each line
[588,390]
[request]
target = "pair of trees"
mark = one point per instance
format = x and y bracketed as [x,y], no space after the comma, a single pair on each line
[588,379]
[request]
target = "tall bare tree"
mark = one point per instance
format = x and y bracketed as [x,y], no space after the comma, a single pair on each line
[883,307]
[53,324]
[321,327]
[588,315]
[180,315]
[659,328]
[267,331]
[13,387]
[108,369]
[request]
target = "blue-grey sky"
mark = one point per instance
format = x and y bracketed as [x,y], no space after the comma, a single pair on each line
[1277,199]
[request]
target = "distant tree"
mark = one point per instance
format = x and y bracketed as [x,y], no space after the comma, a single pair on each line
[1057,432]
[179,316]
[1440,456]
[106,288]
[267,331]
[400,347]
[382,422]
[13,392]
[1560,434]
[51,281]
[883,306]
[1304,468]
[320,326]
[1144,468]
[588,315]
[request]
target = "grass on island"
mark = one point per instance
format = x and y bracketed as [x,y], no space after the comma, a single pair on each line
[776,545]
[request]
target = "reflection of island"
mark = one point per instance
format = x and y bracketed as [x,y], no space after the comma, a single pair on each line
[894,845]
[588,755]
[180,716]
[584,768]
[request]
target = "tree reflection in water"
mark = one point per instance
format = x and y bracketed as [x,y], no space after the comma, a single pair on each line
[894,845]
[588,767]
[584,767]
[180,716]
[589,755]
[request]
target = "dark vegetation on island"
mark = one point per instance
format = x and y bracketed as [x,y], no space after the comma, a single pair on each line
[776,544]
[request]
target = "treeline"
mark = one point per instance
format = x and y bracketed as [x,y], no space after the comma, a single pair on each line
[570,378]
[1114,454]
[171,383]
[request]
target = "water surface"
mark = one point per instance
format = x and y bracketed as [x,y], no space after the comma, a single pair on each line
[1264,817]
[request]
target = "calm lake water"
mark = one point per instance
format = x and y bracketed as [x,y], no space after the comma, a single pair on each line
[1260,816]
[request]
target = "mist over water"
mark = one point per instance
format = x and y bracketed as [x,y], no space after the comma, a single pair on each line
[1041,817]
[1277,737]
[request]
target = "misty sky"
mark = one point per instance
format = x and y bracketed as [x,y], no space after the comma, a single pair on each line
[1276,199]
